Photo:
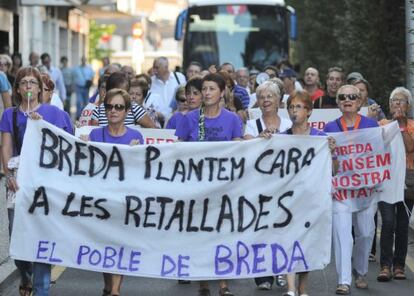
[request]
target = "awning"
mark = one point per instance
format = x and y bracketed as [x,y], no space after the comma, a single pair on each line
[98,12]
[51,2]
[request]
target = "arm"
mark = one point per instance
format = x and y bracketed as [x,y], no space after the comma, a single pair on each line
[7,153]
[7,101]
[146,121]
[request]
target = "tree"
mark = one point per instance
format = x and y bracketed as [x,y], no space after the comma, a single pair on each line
[96,32]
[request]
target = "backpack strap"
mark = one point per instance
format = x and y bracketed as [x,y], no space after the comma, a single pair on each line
[16,132]
[176,78]
[147,97]
[259,125]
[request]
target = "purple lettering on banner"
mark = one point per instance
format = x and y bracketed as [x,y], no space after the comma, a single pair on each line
[121,255]
[134,261]
[257,259]
[41,249]
[109,257]
[165,259]
[294,258]
[98,257]
[182,266]
[242,258]
[276,266]
[52,259]
[82,253]
[224,259]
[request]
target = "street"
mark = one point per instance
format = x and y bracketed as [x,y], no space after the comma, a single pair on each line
[321,283]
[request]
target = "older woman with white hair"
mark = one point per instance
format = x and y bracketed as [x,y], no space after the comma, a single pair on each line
[268,99]
[349,101]
[395,217]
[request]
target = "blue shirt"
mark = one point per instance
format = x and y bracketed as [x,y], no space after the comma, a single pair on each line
[4,83]
[57,78]
[82,74]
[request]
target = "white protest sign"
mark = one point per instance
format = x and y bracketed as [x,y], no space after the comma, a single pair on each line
[151,135]
[318,118]
[371,166]
[204,210]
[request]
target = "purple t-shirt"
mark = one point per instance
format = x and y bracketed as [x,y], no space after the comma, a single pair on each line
[102,135]
[335,125]
[225,127]
[174,120]
[50,113]
[313,132]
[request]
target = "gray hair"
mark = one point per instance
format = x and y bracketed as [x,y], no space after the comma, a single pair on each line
[405,92]
[270,87]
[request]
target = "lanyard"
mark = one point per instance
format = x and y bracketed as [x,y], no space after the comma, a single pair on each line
[356,125]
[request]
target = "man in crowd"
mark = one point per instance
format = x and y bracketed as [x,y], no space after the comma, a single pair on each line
[334,80]
[288,76]
[34,59]
[242,78]
[164,83]
[238,90]
[68,78]
[193,69]
[83,81]
[312,82]
[56,76]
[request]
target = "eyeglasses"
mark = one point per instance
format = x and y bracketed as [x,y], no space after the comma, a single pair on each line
[298,107]
[351,97]
[4,64]
[398,100]
[118,107]
[46,89]
[27,82]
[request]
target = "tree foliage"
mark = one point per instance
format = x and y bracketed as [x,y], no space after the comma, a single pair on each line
[363,36]
[97,49]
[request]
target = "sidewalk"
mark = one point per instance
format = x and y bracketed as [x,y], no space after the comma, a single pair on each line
[8,272]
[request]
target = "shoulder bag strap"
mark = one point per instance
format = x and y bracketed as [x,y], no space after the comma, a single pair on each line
[16,132]
[259,125]
[176,78]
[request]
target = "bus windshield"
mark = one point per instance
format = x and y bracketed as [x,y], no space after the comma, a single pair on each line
[245,35]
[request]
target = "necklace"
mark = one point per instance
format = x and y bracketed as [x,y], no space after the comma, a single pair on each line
[356,125]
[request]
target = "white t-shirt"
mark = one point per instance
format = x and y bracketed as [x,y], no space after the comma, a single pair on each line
[165,91]
[56,101]
[251,126]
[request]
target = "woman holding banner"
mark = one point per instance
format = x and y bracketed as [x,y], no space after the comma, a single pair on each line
[349,102]
[28,94]
[300,107]
[211,122]
[117,104]
[268,99]
[395,217]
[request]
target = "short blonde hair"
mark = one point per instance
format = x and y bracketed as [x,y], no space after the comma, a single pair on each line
[348,86]
[7,59]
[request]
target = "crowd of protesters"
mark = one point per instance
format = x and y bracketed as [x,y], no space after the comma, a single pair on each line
[211,105]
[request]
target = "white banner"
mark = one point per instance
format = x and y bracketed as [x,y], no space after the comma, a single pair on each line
[318,118]
[151,135]
[371,166]
[185,210]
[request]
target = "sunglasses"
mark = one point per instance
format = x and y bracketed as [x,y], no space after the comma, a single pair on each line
[351,97]
[118,107]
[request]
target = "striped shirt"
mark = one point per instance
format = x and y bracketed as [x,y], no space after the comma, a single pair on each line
[134,115]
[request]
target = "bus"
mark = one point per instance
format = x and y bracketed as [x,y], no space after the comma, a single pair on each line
[246,33]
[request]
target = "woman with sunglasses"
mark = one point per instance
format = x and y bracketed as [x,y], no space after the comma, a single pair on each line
[395,217]
[349,102]
[27,93]
[211,122]
[182,108]
[117,104]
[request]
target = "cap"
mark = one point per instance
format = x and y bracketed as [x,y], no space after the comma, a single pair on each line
[287,73]
[354,76]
